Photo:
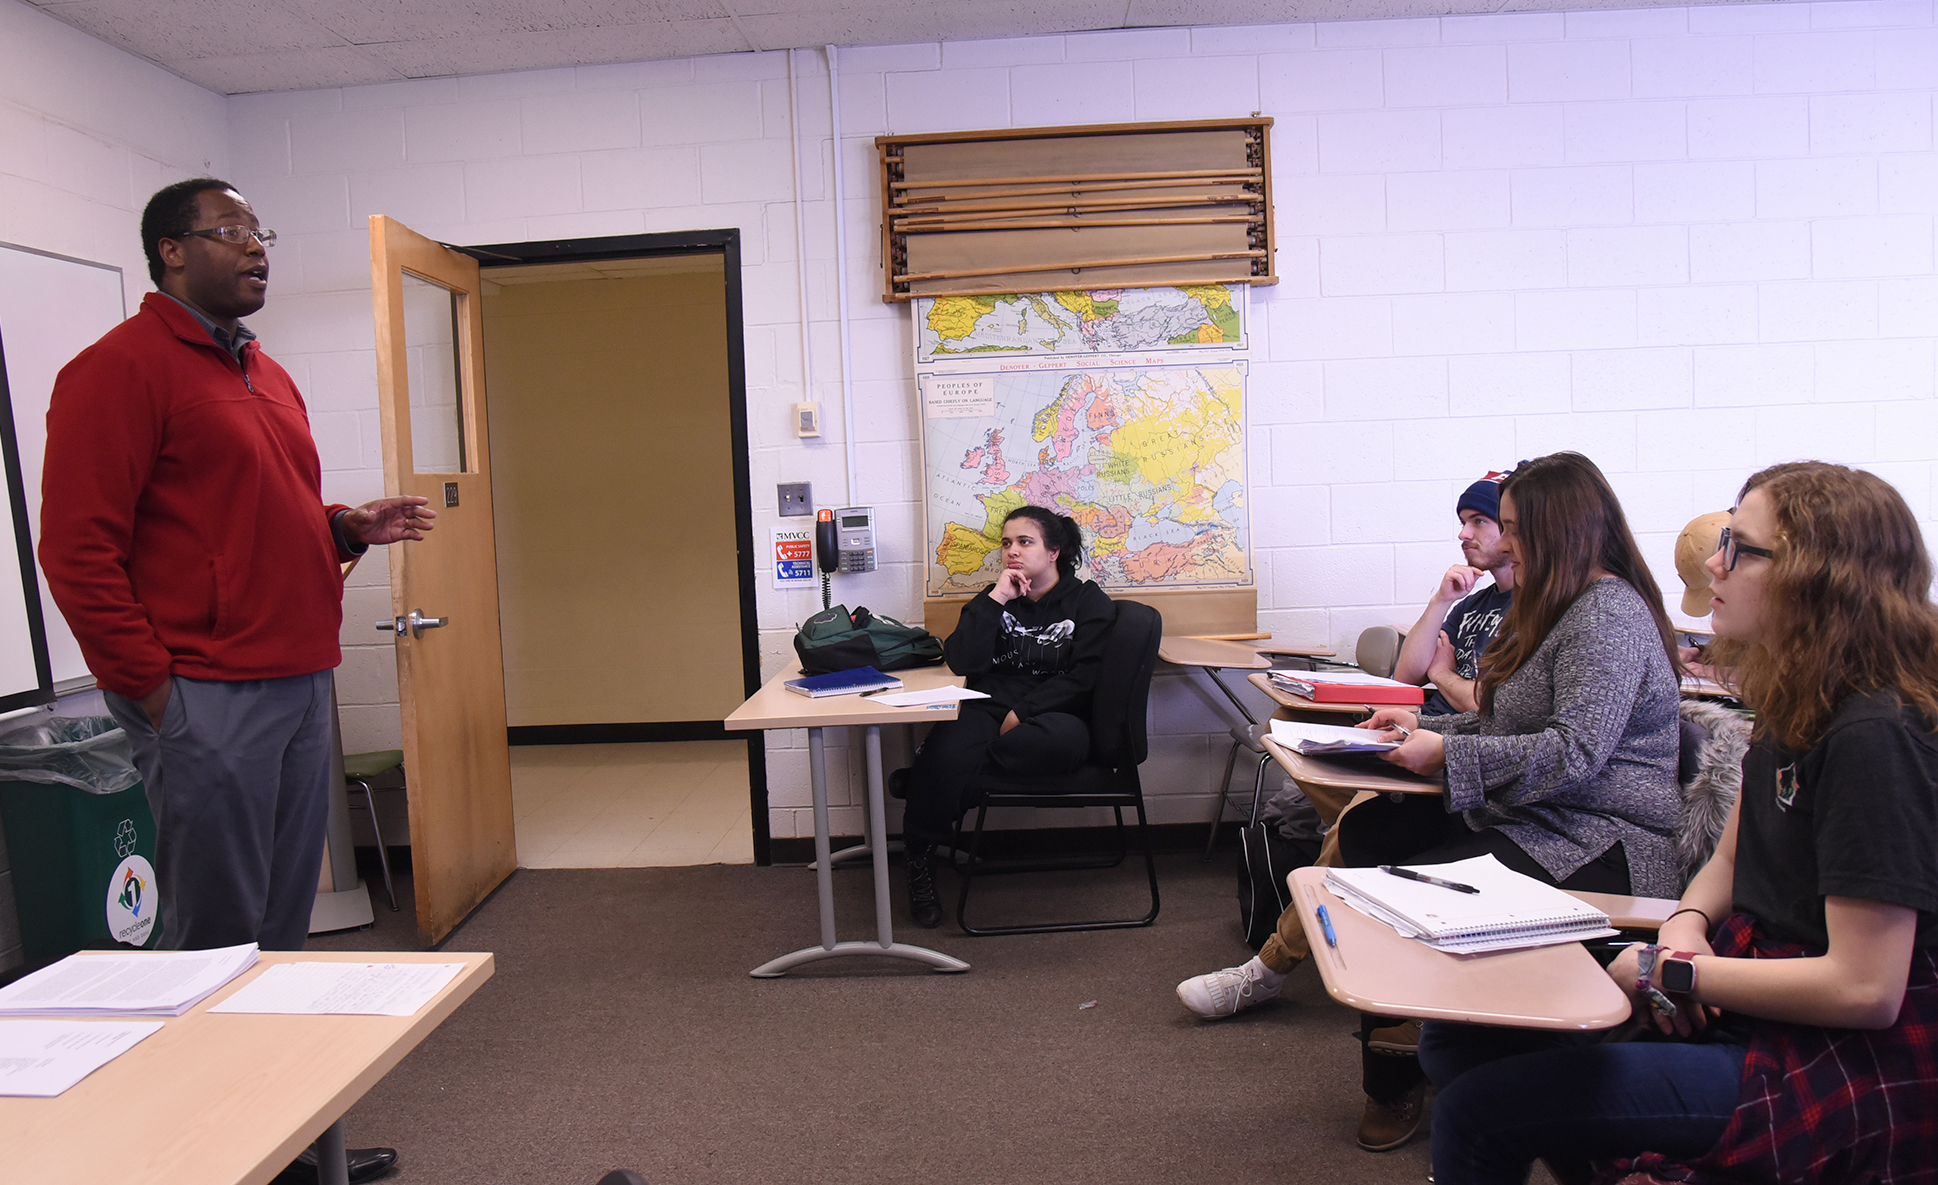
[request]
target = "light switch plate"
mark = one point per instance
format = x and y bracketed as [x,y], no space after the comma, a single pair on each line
[797,497]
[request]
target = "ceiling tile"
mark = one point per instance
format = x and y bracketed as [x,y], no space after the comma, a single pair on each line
[286,70]
[568,47]
[164,30]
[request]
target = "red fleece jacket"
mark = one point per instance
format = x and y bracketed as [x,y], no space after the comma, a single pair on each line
[182,524]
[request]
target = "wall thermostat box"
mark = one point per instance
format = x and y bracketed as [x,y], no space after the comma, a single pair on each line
[807,419]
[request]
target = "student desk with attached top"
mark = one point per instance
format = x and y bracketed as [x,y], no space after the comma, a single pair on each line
[224,1099]
[1376,970]
[774,706]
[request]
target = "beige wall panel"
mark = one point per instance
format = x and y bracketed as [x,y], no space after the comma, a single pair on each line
[612,468]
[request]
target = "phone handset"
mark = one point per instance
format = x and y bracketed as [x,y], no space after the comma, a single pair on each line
[827,553]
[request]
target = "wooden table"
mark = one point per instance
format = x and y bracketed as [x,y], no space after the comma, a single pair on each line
[774,706]
[223,1098]
[1376,970]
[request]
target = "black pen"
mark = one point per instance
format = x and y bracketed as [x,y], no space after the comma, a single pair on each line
[876,691]
[1423,878]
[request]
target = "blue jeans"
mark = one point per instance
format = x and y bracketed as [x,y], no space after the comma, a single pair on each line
[1511,1096]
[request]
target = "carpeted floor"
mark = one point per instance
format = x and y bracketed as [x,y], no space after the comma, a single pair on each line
[622,1030]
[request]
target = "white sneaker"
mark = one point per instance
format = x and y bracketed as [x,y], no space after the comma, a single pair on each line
[1231,991]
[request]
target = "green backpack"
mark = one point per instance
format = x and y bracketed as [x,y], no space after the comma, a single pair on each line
[837,640]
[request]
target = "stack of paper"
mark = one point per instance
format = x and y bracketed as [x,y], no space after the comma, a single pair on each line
[125,983]
[1322,740]
[1510,912]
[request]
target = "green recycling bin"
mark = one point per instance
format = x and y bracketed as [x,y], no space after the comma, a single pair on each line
[80,840]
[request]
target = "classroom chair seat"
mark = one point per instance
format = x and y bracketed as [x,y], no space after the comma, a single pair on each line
[359,769]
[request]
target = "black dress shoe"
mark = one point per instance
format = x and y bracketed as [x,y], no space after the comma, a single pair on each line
[622,1177]
[366,1164]
[923,905]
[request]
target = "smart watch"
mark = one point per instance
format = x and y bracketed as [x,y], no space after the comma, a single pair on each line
[1679,972]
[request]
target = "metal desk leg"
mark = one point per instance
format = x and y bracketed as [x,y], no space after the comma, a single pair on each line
[864,848]
[824,875]
[332,1158]
[1235,701]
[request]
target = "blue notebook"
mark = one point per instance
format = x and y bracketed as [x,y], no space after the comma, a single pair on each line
[843,683]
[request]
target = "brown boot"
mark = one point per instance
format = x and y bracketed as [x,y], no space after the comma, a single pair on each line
[1386,1126]
[1402,1039]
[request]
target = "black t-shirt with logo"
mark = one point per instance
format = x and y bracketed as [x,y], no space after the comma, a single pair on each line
[1856,815]
[1470,626]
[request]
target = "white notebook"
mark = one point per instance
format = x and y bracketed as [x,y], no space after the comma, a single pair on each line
[1510,911]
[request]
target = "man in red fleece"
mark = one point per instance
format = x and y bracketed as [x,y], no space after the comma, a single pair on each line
[185,539]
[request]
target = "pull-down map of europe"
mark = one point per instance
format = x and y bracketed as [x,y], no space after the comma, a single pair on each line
[1106,321]
[1150,461]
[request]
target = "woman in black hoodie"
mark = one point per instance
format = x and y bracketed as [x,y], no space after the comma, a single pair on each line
[1033,642]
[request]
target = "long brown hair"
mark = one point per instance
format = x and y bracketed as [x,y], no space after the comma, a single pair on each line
[1568,523]
[1847,609]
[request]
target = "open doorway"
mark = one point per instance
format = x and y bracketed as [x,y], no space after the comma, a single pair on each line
[618,433]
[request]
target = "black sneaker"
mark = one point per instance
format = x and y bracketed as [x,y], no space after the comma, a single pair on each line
[924,907]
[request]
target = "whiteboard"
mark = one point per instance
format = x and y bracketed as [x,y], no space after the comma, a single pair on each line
[51,308]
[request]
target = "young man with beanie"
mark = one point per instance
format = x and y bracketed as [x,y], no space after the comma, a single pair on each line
[1445,646]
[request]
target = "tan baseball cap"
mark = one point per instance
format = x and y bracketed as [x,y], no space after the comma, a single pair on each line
[1696,544]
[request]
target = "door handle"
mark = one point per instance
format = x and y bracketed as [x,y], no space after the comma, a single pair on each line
[415,623]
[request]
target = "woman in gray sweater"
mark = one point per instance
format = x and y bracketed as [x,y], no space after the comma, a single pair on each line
[1570,761]
[1567,772]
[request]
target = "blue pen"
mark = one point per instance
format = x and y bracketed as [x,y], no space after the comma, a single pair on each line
[1332,939]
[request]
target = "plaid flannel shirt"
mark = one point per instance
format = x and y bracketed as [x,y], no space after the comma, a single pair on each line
[1824,1105]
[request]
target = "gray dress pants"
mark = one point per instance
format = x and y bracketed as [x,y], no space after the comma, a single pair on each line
[238,778]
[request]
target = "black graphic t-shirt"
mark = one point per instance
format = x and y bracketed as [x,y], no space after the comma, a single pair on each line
[1854,816]
[1034,656]
[1470,626]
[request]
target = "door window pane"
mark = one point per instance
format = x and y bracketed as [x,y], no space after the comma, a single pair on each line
[432,370]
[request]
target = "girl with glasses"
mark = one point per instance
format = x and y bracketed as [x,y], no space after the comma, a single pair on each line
[1796,983]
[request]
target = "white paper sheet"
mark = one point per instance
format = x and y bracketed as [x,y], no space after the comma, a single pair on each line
[334,989]
[155,983]
[922,699]
[39,1059]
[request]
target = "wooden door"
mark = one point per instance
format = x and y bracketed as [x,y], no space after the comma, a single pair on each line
[450,671]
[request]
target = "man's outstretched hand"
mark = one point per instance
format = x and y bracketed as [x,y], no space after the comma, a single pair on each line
[389,520]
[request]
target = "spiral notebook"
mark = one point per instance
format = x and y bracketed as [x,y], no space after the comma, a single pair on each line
[1511,910]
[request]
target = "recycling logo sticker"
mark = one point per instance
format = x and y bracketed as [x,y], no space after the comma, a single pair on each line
[124,838]
[132,899]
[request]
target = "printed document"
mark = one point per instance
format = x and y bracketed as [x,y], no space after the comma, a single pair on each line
[39,1059]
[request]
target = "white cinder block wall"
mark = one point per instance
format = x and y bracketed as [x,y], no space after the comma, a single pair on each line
[1687,241]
